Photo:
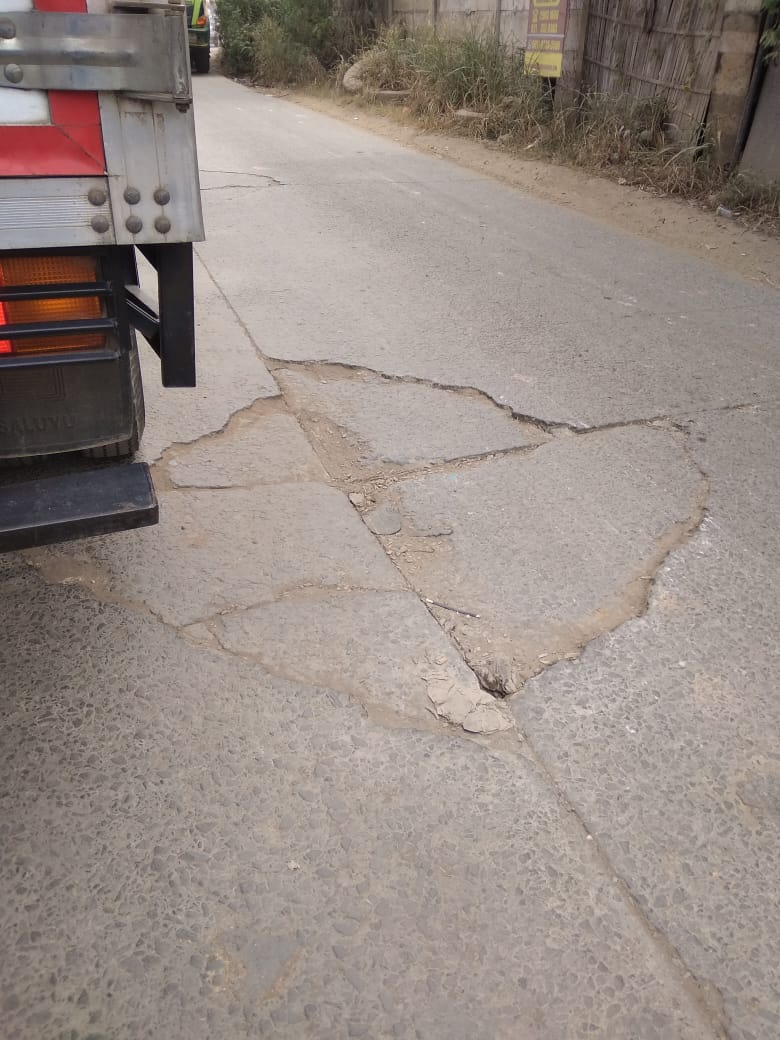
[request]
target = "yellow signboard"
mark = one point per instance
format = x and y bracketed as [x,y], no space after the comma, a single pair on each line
[541,63]
[546,32]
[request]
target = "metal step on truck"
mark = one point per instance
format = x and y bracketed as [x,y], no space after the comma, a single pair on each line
[98,165]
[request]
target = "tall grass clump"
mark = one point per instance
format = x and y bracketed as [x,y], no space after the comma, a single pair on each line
[292,41]
[445,72]
[472,71]
[390,62]
[238,20]
[278,57]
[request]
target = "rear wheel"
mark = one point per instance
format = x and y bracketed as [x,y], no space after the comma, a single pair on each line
[201,59]
[129,446]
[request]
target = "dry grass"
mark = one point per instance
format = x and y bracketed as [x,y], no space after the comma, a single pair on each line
[278,59]
[278,42]
[446,72]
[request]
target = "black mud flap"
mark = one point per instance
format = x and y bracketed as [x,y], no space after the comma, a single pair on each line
[76,505]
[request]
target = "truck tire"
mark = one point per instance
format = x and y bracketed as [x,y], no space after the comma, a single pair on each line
[129,446]
[201,59]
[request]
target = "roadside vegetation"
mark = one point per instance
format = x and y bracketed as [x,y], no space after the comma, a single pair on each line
[473,84]
[770,39]
[277,42]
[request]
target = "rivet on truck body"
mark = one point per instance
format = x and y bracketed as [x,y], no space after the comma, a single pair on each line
[132,196]
[163,225]
[99,223]
[14,74]
[97,196]
[134,225]
[162,196]
[7,29]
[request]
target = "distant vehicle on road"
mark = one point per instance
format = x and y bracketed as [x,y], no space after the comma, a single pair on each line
[199,34]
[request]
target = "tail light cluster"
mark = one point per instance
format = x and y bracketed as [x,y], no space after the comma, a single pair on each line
[51,304]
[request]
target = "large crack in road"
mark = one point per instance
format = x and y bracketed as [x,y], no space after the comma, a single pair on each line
[473,500]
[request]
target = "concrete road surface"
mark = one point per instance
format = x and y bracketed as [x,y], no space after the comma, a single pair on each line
[443,701]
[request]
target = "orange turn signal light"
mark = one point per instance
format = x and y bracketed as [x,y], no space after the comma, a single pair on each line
[49,270]
[201,21]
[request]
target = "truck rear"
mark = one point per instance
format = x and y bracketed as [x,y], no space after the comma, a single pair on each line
[98,169]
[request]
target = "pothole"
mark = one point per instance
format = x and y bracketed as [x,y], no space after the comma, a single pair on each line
[526,559]
[366,426]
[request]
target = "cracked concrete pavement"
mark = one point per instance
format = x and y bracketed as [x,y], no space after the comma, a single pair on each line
[442,702]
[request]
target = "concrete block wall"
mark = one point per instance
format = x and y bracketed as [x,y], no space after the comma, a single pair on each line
[514,22]
[736,55]
[573,51]
[762,151]
[466,14]
[412,13]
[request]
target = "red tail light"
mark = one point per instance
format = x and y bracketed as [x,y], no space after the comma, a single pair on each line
[5,344]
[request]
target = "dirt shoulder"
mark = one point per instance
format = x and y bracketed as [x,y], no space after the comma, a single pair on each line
[671,222]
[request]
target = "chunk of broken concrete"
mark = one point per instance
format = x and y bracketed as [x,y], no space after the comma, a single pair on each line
[401,424]
[353,78]
[384,520]
[553,548]
[497,675]
[474,710]
[395,96]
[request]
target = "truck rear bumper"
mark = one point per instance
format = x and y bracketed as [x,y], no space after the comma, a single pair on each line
[76,505]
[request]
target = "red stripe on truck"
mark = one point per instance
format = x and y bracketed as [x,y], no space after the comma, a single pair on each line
[72,145]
